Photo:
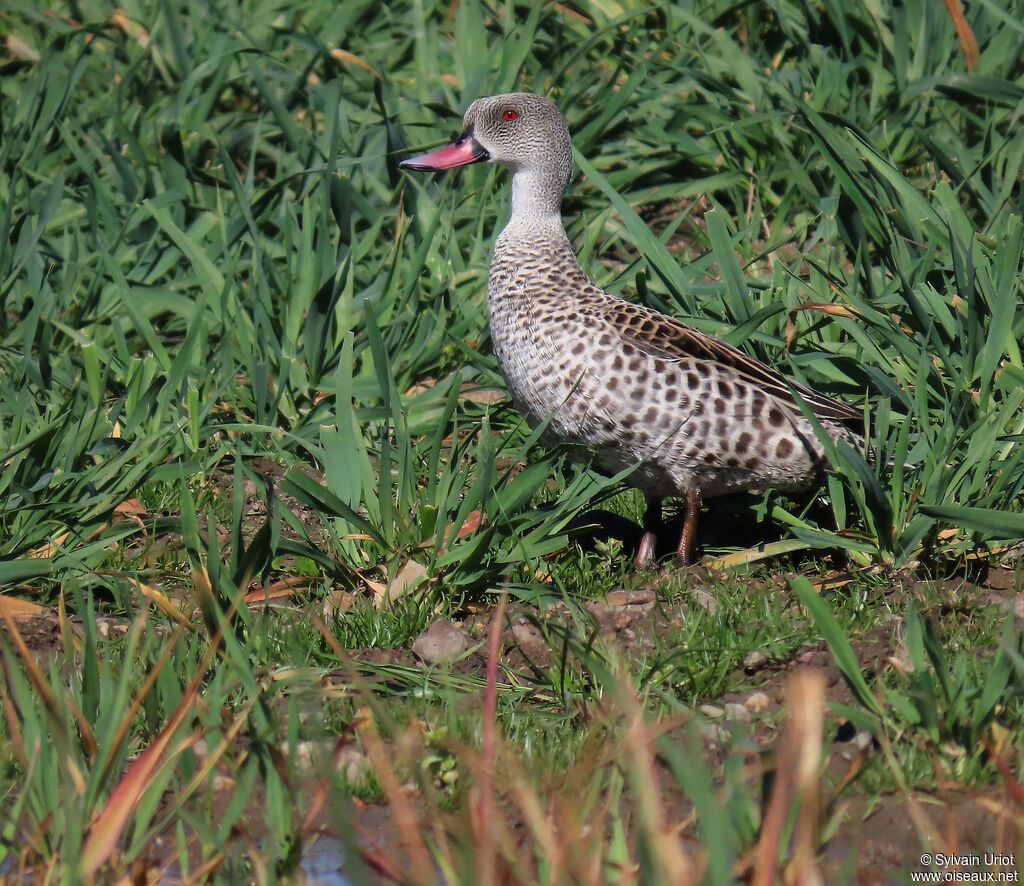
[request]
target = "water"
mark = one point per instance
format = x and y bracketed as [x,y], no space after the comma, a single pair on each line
[323,861]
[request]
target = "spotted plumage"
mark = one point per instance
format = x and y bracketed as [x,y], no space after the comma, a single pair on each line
[693,416]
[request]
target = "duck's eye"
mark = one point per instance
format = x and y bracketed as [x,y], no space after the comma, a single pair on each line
[510,115]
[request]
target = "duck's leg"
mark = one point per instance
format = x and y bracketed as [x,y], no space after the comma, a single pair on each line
[645,554]
[689,535]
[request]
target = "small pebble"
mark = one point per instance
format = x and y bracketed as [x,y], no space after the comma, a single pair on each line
[757,702]
[754,659]
[706,601]
[716,734]
[352,764]
[642,597]
[862,739]
[443,641]
[736,711]
[530,640]
[303,754]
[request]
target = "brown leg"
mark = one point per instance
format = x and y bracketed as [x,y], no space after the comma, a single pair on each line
[645,554]
[689,535]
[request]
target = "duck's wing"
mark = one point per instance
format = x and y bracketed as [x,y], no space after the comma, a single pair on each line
[665,337]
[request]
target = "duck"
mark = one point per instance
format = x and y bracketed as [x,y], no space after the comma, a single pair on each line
[680,413]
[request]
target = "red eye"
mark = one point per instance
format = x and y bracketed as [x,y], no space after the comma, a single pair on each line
[510,115]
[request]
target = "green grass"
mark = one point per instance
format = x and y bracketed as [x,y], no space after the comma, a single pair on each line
[239,348]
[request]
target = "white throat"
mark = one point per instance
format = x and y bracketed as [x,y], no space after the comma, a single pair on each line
[535,197]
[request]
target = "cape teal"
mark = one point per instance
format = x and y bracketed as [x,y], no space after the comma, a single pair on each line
[696,417]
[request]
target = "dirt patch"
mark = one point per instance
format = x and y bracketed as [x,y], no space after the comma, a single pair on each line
[40,633]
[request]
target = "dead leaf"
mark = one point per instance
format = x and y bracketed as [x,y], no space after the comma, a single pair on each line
[377,588]
[471,524]
[475,393]
[44,552]
[337,602]
[968,41]
[421,387]
[281,590]
[341,55]
[131,506]
[822,308]
[409,576]
[130,28]
[106,829]
[20,50]
[162,602]
[16,607]
[754,555]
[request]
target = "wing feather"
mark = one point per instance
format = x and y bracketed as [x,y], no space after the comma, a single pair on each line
[669,339]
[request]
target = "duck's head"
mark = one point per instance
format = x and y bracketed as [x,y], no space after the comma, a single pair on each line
[523,132]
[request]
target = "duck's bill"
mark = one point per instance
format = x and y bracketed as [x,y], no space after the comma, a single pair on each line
[465,151]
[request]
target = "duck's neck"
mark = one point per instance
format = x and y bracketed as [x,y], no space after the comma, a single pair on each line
[537,192]
[535,197]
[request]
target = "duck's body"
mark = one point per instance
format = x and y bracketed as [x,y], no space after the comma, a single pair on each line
[696,417]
